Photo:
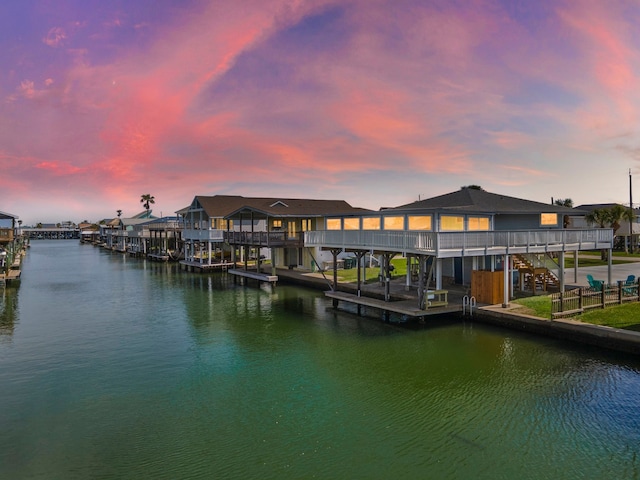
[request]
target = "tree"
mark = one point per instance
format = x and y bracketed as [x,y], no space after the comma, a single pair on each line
[147,199]
[610,218]
[472,187]
[119,212]
[564,202]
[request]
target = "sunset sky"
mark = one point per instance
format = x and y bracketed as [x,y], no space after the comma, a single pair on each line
[375,102]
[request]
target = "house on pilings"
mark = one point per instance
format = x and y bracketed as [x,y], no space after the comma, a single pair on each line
[223,230]
[468,237]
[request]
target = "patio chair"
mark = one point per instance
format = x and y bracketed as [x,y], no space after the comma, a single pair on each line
[595,284]
[628,285]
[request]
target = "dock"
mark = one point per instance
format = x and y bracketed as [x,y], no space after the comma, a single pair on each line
[402,307]
[262,277]
[205,267]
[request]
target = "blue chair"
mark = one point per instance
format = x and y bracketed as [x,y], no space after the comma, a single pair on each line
[628,286]
[595,284]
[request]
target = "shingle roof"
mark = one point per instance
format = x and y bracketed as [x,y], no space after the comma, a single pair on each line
[228,205]
[479,201]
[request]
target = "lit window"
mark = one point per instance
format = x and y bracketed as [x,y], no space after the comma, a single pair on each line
[549,219]
[451,223]
[352,224]
[277,224]
[306,224]
[394,223]
[478,223]
[334,224]
[422,222]
[371,223]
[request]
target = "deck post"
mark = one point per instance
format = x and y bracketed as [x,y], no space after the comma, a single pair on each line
[505,269]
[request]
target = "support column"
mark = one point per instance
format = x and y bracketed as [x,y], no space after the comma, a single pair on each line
[561,269]
[439,273]
[575,266]
[506,275]
[609,265]
[407,284]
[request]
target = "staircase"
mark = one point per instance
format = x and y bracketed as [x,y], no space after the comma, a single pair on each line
[537,271]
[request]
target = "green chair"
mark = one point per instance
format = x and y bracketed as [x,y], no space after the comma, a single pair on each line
[595,284]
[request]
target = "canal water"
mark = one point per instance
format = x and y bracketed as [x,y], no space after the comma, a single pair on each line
[118,368]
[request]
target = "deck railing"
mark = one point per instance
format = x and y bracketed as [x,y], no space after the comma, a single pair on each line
[264,239]
[455,244]
[203,235]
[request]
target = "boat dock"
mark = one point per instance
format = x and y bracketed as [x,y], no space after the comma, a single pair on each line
[402,307]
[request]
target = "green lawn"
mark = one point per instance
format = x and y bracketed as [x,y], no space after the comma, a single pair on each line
[625,316]
[351,274]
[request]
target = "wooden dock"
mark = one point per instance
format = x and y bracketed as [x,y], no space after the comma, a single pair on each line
[205,267]
[402,307]
[262,277]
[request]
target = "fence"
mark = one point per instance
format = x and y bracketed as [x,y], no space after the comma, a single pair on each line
[576,301]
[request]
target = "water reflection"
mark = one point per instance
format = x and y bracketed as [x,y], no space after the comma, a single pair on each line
[8,310]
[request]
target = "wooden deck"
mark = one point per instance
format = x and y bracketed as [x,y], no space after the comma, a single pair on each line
[262,277]
[205,267]
[403,307]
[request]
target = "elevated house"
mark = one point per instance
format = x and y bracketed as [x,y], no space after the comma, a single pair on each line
[221,230]
[469,237]
[127,234]
[10,242]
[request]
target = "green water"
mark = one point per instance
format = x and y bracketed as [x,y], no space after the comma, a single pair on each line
[116,368]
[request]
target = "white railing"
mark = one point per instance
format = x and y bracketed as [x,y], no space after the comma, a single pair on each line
[202,235]
[452,244]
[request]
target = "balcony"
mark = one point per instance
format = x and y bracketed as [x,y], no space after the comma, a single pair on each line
[203,235]
[463,244]
[264,239]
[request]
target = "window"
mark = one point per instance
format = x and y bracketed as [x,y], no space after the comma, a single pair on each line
[334,224]
[420,222]
[549,219]
[276,224]
[221,224]
[352,224]
[306,224]
[371,223]
[394,223]
[477,223]
[451,223]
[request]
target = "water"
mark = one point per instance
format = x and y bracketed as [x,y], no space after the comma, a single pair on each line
[116,368]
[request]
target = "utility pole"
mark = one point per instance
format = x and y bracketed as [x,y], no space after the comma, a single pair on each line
[630,216]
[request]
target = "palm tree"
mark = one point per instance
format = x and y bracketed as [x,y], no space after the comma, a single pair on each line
[119,212]
[564,202]
[600,217]
[147,199]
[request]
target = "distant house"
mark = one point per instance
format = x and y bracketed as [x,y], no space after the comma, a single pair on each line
[623,232]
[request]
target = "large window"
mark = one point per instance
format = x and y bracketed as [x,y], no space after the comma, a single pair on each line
[334,224]
[477,223]
[221,224]
[371,223]
[352,223]
[420,222]
[450,223]
[549,219]
[306,224]
[394,223]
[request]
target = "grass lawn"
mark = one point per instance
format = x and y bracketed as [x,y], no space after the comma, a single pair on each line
[625,316]
[351,274]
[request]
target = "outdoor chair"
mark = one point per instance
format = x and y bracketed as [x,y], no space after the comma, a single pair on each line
[628,286]
[595,284]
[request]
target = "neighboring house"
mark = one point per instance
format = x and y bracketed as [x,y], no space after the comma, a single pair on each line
[219,229]
[285,221]
[123,234]
[451,236]
[9,240]
[622,232]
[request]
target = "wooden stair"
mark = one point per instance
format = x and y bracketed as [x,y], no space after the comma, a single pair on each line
[534,278]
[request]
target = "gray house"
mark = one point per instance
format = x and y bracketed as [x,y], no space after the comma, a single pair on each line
[451,238]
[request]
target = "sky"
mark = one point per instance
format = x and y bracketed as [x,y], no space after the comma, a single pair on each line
[378,103]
